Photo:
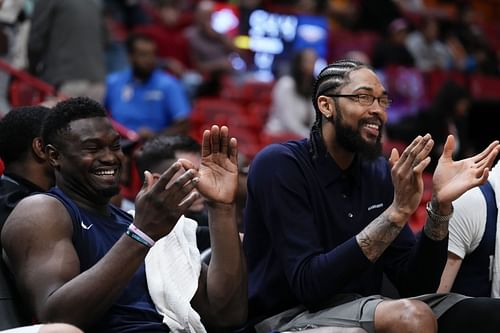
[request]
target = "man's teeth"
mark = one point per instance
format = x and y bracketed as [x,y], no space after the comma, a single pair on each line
[372,126]
[105,173]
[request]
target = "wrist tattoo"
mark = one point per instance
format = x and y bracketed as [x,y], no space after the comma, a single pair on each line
[377,236]
[436,230]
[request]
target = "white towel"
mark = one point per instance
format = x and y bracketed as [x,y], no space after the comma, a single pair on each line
[173,267]
[494,179]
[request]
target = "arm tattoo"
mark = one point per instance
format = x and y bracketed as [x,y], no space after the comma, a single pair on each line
[377,236]
[436,230]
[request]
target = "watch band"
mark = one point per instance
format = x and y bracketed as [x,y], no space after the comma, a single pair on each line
[436,217]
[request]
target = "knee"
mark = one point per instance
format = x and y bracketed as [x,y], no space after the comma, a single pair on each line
[417,317]
[406,316]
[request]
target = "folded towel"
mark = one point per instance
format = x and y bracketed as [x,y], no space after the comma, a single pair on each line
[173,268]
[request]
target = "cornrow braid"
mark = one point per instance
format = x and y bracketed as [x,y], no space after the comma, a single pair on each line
[330,78]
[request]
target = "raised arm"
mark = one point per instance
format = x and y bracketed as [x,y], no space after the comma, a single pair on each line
[452,179]
[408,187]
[221,297]
[37,238]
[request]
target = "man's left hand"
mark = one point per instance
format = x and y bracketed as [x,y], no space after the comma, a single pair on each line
[451,178]
[219,168]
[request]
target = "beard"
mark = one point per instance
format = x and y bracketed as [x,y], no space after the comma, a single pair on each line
[351,140]
[142,74]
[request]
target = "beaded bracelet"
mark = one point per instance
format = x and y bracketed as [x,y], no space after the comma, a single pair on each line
[138,235]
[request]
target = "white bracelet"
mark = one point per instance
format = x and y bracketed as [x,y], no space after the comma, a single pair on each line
[141,234]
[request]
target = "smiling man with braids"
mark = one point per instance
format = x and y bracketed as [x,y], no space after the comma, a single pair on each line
[327,216]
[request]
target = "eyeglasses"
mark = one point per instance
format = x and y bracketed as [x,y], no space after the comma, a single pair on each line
[367,100]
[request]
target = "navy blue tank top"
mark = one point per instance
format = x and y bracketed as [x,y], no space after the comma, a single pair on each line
[474,276]
[93,237]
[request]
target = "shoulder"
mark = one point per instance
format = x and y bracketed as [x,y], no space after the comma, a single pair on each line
[281,152]
[165,79]
[34,214]
[494,178]
[471,198]
[280,162]
[471,207]
[285,83]
[117,77]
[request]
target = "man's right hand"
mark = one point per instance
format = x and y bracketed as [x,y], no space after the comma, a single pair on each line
[406,172]
[162,201]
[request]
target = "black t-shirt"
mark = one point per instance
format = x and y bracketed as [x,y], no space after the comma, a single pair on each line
[13,189]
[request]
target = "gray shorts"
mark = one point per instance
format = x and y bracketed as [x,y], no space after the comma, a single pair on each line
[347,312]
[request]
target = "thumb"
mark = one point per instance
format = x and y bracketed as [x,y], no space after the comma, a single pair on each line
[394,158]
[449,147]
[148,181]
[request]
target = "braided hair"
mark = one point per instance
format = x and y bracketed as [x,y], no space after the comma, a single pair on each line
[330,78]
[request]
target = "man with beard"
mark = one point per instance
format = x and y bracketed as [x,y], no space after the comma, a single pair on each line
[143,97]
[77,259]
[326,217]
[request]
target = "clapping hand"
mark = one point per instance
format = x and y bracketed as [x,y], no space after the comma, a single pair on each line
[218,173]
[451,178]
[406,172]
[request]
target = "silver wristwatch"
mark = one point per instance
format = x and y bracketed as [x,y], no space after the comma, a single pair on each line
[436,217]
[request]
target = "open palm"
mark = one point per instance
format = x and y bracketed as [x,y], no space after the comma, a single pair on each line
[453,178]
[218,170]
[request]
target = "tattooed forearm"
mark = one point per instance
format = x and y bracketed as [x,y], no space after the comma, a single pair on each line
[378,235]
[436,230]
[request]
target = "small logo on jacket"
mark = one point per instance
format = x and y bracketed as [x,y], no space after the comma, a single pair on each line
[375,206]
[84,226]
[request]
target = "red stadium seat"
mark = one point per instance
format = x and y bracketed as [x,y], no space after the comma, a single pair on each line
[210,111]
[343,41]
[259,113]
[248,92]
[23,94]
[485,87]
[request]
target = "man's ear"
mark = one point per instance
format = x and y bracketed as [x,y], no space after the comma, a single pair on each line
[326,107]
[52,154]
[38,149]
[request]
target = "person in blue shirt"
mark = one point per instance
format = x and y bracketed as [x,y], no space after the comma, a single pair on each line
[327,216]
[144,98]
[80,260]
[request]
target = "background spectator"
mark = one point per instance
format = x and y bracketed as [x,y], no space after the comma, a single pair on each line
[392,49]
[291,109]
[66,46]
[143,97]
[426,48]
[210,51]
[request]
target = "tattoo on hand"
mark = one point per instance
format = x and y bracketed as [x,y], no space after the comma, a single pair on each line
[377,236]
